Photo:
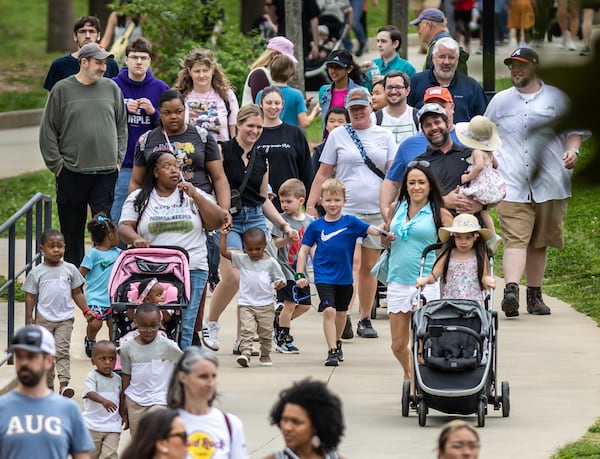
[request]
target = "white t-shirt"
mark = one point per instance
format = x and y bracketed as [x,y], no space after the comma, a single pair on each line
[167,222]
[362,185]
[209,435]
[97,417]
[150,367]
[256,279]
[401,127]
[208,110]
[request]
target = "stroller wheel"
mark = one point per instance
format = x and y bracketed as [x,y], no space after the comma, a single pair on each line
[422,409]
[481,408]
[505,399]
[405,398]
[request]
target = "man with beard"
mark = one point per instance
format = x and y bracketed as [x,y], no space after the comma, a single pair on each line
[536,163]
[34,420]
[83,138]
[469,97]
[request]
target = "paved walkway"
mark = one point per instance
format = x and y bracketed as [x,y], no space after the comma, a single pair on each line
[548,361]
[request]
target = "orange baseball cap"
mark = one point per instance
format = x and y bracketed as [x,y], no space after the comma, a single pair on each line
[437,92]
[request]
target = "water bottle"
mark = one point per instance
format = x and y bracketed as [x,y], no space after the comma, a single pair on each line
[374,72]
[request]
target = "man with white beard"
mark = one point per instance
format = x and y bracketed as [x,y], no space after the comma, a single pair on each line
[469,97]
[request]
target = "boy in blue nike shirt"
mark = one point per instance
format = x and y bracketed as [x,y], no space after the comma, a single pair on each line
[334,236]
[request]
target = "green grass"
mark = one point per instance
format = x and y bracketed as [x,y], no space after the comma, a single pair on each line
[587,447]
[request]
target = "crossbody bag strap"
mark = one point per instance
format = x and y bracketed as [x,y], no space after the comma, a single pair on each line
[368,161]
[248,171]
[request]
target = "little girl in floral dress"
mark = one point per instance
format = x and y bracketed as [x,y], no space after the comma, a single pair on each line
[463,264]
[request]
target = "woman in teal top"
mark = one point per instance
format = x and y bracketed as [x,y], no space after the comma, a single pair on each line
[413,227]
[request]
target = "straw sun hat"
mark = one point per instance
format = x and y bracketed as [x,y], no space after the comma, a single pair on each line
[463,223]
[479,133]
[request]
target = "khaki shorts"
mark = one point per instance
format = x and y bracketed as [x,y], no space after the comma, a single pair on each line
[531,224]
[370,241]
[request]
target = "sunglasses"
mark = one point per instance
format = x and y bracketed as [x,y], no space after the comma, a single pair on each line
[298,299]
[419,163]
[182,435]
[30,338]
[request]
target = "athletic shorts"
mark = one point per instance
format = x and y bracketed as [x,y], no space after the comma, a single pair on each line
[334,296]
[286,294]
[102,312]
[404,297]
[531,224]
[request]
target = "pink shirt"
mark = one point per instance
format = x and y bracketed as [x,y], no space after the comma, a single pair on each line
[338,98]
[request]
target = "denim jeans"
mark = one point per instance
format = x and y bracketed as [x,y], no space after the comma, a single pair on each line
[248,217]
[120,193]
[188,315]
[359,31]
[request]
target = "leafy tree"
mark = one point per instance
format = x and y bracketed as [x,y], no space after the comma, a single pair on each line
[178,26]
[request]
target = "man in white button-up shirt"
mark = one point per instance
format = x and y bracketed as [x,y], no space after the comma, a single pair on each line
[536,164]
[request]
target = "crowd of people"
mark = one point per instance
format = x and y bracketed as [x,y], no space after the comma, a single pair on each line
[237,187]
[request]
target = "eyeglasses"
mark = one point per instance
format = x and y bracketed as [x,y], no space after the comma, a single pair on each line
[133,57]
[298,299]
[391,88]
[149,328]
[461,445]
[86,31]
[182,435]
[419,163]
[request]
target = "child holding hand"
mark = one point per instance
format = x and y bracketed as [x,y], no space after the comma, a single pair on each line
[463,265]
[96,268]
[259,275]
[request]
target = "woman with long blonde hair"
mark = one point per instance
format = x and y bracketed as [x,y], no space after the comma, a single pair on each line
[209,98]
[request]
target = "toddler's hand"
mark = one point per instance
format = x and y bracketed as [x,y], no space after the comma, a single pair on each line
[89,315]
[280,284]
[302,283]
[464,178]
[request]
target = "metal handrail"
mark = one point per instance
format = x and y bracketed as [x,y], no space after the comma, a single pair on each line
[42,204]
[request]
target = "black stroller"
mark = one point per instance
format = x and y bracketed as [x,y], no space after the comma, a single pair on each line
[455,358]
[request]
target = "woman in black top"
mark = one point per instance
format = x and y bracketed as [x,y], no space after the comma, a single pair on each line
[255,206]
[286,145]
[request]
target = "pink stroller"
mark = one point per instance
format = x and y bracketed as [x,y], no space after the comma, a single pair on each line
[169,265]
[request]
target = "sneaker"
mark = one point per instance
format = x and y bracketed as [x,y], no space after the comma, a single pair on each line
[286,346]
[243,361]
[211,340]
[276,329]
[348,333]
[89,345]
[236,349]
[278,308]
[332,358]
[265,361]
[67,391]
[585,51]
[494,242]
[510,302]
[340,353]
[571,45]
[535,302]
[365,329]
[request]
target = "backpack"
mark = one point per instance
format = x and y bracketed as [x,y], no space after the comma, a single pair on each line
[379,117]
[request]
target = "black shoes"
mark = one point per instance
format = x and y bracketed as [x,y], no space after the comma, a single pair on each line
[535,302]
[365,329]
[348,333]
[332,358]
[510,302]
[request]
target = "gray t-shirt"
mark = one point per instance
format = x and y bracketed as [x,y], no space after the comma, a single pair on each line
[256,279]
[288,256]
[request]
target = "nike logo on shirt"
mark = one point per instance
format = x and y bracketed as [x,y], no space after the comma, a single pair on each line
[326,237]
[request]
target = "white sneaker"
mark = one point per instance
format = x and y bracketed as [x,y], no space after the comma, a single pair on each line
[211,339]
[563,41]
[571,45]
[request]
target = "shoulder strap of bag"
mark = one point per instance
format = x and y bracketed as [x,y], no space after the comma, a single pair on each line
[415,118]
[370,164]
[248,170]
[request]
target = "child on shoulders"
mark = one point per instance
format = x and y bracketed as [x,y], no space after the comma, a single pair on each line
[463,264]
[50,287]
[259,275]
[334,236]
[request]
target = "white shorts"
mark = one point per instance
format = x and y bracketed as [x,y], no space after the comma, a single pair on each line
[403,297]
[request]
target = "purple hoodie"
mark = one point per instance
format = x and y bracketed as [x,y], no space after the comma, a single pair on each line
[140,122]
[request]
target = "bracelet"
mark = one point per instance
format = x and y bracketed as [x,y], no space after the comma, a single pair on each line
[85,311]
[298,276]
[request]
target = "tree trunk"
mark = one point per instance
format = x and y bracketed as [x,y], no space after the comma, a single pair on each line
[61,17]
[100,9]
[294,32]
[398,16]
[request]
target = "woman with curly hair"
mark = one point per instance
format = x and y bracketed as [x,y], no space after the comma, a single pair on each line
[306,410]
[209,98]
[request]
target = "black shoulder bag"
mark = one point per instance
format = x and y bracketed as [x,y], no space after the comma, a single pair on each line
[236,194]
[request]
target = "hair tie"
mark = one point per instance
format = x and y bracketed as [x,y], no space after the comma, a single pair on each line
[146,291]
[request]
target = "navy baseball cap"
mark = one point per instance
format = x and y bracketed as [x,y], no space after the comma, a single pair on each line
[523,55]
[430,14]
